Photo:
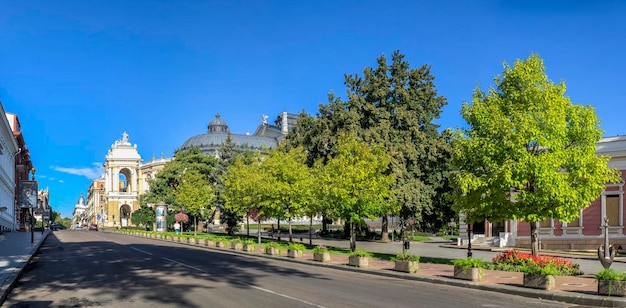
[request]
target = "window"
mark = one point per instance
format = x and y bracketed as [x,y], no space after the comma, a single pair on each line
[612,210]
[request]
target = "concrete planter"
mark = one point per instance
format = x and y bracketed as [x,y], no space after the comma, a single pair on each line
[406,266]
[612,287]
[209,243]
[272,251]
[249,248]
[236,246]
[538,281]
[472,273]
[358,261]
[220,244]
[294,253]
[321,256]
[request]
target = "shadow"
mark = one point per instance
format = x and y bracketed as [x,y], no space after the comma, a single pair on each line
[122,271]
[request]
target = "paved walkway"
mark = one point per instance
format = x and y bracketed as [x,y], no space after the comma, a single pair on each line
[16,251]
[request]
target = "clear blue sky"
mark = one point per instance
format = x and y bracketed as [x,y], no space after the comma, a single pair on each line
[80,73]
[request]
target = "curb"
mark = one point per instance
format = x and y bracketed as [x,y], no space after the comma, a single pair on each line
[7,285]
[565,297]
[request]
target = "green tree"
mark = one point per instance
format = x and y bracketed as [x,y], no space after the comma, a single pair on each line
[143,216]
[195,193]
[163,186]
[288,184]
[356,182]
[528,153]
[243,186]
[394,106]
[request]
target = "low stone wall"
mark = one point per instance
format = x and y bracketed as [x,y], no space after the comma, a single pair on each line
[570,243]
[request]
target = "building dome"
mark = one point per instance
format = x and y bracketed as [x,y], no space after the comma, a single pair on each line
[218,125]
[265,137]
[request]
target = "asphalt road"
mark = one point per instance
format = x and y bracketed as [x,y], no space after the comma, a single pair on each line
[88,269]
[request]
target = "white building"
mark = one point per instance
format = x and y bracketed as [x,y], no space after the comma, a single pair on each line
[8,151]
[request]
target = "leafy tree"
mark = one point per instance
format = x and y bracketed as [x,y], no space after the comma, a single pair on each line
[528,153]
[394,106]
[288,184]
[242,190]
[163,186]
[195,193]
[143,216]
[356,183]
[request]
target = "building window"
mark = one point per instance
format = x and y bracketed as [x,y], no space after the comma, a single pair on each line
[612,210]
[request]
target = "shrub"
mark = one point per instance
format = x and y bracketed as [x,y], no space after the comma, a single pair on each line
[360,253]
[405,257]
[469,263]
[610,274]
[296,246]
[320,249]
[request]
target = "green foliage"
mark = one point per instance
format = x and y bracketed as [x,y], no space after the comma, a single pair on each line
[529,152]
[469,263]
[356,182]
[163,186]
[610,274]
[547,269]
[405,257]
[242,190]
[194,193]
[287,183]
[296,246]
[395,107]
[360,253]
[320,249]
[274,245]
[143,216]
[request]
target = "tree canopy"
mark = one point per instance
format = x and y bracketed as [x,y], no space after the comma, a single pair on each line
[528,152]
[356,182]
[393,106]
[195,193]
[163,186]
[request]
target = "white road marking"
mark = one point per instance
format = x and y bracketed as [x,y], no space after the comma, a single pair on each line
[251,286]
[148,253]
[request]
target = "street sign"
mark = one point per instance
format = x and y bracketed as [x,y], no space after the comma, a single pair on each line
[98,216]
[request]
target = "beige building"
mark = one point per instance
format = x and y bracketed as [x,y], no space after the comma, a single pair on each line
[112,198]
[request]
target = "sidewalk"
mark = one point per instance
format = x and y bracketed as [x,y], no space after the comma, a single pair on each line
[16,250]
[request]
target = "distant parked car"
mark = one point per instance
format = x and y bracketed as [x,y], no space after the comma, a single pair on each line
[55,227]
[93,227]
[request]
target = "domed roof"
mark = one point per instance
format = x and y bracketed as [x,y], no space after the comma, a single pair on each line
[218,125]
[218,134]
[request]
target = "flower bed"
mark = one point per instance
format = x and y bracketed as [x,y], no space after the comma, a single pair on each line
[518,261]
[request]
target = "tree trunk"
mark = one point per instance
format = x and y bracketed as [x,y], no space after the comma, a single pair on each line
[278,231]
[248,224]
[534,239]
[290,232]
[385,229]
[352,237]
[324,224]
[259,228]
[195,230]
[311,231]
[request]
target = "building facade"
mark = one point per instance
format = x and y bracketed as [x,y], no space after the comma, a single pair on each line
[9,151]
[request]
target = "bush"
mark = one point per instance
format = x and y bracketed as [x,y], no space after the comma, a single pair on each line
[469,263]
[320,249]
[360,253]
[405,257]
[296,246]
[274,245]
[610,274]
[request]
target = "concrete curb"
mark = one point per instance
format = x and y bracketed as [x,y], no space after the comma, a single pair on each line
[566,297]
[7,285]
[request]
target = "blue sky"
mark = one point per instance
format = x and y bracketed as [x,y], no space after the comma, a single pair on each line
[80,73]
